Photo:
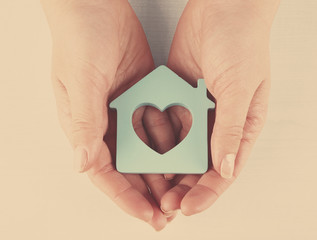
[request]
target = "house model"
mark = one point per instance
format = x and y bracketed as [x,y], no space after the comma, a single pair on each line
[162,88]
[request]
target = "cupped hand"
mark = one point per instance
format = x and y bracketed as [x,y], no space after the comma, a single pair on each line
[99,51]
[227,44]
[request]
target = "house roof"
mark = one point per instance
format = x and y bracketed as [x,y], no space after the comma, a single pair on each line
[160,88]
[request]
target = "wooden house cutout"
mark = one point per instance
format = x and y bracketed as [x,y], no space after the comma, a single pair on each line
[162,88]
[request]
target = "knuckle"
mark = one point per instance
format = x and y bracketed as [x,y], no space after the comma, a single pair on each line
[234,132]
[252,131]
[254,122]
[80,126]
[89,76]
[104,170]
[257,114]
[227,76]
[249,139]
[256,118]
[234,89]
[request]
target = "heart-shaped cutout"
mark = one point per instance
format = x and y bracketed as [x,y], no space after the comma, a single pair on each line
[162,131]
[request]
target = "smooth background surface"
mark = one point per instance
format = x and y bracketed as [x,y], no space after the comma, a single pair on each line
[41,197]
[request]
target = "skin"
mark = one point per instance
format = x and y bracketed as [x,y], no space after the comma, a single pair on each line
[100,50]
[227,44]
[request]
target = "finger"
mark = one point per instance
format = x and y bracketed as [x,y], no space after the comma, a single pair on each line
[89,117]
[158,220]
[137,122]
[171,201]
[181,120]
[169,176]
[177,126]
[171,217]
[254,123]
[212,185]
[159,129]
[118,188]
[131,181]
[233,101]
[209,187]
[157,184]
[63,106]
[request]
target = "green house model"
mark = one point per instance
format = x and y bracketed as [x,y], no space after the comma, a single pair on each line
[162,88]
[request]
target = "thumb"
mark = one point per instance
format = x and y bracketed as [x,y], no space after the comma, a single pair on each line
[89,122]
[231,112]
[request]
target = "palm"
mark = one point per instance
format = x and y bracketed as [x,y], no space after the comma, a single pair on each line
[111,53]
[215,48]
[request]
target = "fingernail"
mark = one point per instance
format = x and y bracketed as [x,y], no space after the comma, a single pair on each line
[227,166]
[168,177]
[80,159]
[168,213]
[147,216]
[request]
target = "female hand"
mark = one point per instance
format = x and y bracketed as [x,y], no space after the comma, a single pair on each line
[227,44]
[99,51]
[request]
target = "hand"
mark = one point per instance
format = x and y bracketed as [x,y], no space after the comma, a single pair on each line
[227,44]
[99,51]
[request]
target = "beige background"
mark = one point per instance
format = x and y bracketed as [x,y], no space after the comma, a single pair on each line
[42,198]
